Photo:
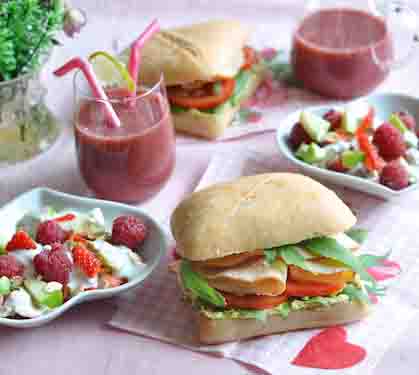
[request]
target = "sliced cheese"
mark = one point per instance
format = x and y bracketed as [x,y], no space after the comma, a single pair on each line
[259,278]
[326,266]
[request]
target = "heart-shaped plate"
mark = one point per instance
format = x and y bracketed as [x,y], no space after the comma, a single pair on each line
[384,105]
[155,246]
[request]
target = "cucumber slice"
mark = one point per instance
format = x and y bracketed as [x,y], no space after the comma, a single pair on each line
[45,294]
[350,159]
[314,125]
[311,153]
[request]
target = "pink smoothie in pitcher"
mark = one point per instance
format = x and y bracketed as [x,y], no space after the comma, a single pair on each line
[130,163]
[337,52]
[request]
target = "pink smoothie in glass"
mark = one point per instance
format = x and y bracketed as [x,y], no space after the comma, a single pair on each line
[337,52]
[130,163]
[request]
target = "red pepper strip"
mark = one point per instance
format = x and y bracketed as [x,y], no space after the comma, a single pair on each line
[250,57]
[373,161]
[67,217]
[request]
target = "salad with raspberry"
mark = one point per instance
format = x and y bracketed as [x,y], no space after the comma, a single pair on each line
[54,256]
[354,141]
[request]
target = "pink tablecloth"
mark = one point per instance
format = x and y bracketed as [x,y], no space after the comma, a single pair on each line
[80,342]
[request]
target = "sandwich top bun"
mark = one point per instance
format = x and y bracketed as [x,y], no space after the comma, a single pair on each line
[200,52]
[256,212]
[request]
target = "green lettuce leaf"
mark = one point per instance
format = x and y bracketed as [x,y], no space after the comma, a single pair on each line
[330,248]
[199,287]
[242,80]
[357,234]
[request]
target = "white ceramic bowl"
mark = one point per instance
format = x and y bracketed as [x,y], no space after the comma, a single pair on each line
[153,249]
[384,105]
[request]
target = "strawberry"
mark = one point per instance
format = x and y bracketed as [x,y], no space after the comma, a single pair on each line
[20,240]
[87,261]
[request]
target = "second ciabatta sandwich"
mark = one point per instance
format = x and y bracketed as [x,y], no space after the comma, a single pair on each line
[208,70]
[268,254]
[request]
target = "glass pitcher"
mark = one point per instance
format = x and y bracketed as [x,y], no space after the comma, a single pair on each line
[345,49]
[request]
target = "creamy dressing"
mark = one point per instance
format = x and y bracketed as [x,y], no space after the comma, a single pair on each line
[26,258]
[123,261]
[79,282]
[20,302]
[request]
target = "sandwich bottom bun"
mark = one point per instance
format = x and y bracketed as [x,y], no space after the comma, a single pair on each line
[213,125]
[218,331]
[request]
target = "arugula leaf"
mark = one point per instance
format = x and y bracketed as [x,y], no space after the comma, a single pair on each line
[291,256]
[357,234]
[376,289]
[369,260]
[355,293]
[199,286]
[271,254]
[329,248]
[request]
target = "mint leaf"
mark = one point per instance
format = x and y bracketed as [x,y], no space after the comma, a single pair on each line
[199,287]
[357,234]
[369,260]
[2,250]
[355,293]
[330,248]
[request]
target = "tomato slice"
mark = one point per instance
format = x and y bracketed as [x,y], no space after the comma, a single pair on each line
[311,289]
[300,276]
[253,301]
[205,101]
[250,57]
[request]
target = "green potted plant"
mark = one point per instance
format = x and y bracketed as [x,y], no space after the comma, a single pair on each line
[28,32]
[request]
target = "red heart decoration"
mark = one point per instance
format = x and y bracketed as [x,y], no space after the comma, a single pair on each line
[329,350]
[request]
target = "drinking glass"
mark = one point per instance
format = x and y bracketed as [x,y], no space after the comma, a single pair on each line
[130,163]
[345,49]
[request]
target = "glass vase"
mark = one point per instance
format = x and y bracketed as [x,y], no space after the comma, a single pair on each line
[27,127]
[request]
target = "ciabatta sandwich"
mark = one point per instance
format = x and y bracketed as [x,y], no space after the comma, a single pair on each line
[268,254]
[208,70]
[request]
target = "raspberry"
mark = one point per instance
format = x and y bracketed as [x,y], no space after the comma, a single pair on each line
[54,264]
[395,176]
[10,266]
[50,232]
[299,136]
[129,231]
[87,261]
[407,119]
[335,119]
[20,240]
[337,166]
[389,141]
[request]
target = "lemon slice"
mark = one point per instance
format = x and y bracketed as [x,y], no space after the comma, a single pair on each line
[111,71]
